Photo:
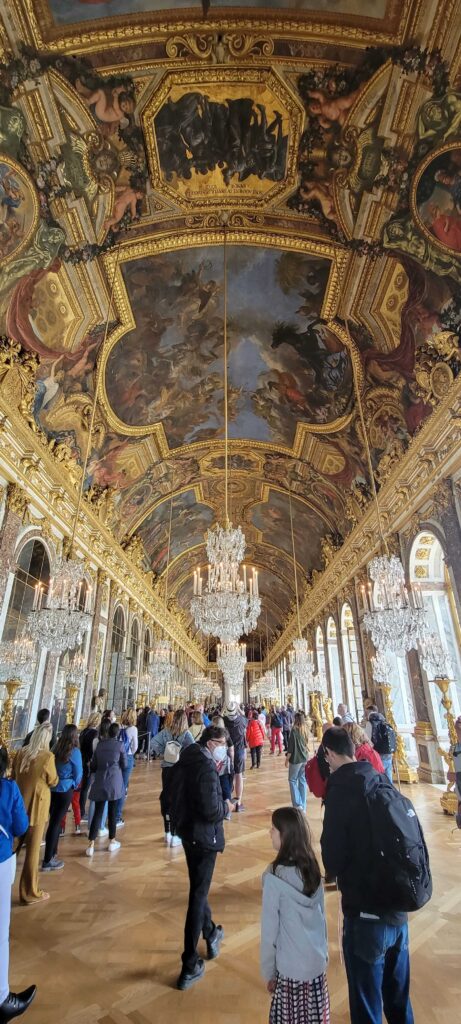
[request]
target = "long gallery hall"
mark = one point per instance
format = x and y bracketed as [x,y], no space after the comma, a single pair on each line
[230,511]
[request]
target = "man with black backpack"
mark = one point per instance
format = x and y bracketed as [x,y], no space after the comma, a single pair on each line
[373,844]
[382,736]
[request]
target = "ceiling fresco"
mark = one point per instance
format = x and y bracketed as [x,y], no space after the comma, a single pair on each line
[319,146]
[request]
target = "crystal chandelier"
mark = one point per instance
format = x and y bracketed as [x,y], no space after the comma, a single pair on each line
[395,616]
[381,667]
[61,616]
[76,672]
[179,691]
[319,682]
[17,658]
[231,659]
[435,658]
[200,688]
[162,661]
[301,663]
[229,605]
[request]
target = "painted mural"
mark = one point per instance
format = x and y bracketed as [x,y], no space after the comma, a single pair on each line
[89,10]
[18,209]
[231,134]
[438,198]
[272,518]
[190,521]
[284,364]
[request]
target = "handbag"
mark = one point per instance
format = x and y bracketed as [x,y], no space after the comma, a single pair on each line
[317,785]
[172,752]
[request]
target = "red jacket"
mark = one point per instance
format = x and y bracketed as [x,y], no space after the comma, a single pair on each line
[367,753]
[255,733]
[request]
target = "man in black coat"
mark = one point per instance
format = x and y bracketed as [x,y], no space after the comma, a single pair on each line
[198,810]
[375,941]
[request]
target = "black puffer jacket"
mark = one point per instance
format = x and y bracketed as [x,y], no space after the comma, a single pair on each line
[197,804]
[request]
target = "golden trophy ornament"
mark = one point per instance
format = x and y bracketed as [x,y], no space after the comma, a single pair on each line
[328,708]
[449,799]
[6,719]
[402,771]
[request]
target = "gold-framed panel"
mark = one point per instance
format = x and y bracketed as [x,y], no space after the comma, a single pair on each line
[26,182]
[447,147]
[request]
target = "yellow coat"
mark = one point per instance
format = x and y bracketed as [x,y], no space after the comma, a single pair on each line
[35,784]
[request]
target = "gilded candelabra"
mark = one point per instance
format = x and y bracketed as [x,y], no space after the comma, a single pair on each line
[315,713]
[403,772]
[71,701]
[328,708]
[449,799]
[12,685]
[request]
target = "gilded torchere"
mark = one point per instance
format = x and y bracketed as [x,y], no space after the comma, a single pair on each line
[402,770]
[71,701]
[12,685]
[449,799]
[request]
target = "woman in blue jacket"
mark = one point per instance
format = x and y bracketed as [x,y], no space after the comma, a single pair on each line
[70,770]
[13,823]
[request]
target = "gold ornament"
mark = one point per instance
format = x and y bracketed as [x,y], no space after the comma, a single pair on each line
[404,772]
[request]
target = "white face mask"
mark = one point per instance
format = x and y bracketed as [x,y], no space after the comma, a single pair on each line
[219,753]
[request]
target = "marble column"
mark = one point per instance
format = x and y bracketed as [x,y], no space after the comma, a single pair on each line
[96,646]
[430,768]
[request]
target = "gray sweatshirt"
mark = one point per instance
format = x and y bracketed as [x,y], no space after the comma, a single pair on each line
[293,928]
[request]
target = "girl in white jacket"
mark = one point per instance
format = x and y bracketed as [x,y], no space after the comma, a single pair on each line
[294,951]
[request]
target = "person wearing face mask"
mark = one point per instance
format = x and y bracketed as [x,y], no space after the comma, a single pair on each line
[198,810]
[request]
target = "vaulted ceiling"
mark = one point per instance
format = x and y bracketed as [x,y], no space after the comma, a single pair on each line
[315,150]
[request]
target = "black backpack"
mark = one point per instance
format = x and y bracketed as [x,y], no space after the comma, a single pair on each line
[400,875]
[276,722]
[383,737]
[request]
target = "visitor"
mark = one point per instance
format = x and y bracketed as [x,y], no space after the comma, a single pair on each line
[255,736]
[103,734]
[363,749]
[42,717]
[337,721]
[129,740]
[88,739]
[205,719]
[152,727]
[276,730]
[262,719]
[199,810]
[236,725]
[34,769]
[226,770]
[141,725]
[375,932]
[108,763]
[196,727]
[285,727]
[296,759]
[382,736]
[69,768]
[13,823]
[344,714]
[294,950]
[168,744]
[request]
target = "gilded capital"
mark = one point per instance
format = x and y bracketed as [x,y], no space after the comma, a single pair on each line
[17,500]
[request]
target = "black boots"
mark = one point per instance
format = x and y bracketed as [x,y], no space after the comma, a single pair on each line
[16,1003]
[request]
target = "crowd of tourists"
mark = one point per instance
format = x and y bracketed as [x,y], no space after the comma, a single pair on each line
[372,846]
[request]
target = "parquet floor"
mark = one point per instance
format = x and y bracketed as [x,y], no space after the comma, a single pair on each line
[105,948]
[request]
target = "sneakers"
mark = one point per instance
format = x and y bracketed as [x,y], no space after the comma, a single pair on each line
[113,846]
[52,865]
[167,838]
[77,830]
[239,807]
[103,832]
[228,816]
[16,1003]
[121,823]
[89,850]
[188,978]
[213,945]
[175,841]
[62,832]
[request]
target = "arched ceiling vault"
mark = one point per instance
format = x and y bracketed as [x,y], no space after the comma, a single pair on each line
[319,142]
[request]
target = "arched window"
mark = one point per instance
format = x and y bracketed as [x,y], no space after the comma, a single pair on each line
[33,569]
[428,568]
[333,661]
[146,651]
[134,663]
[117,661]
[351,663]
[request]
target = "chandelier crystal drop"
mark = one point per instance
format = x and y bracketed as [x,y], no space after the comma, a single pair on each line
[381,667]
[301,663]
[435,658]
[395,616]
[58,622]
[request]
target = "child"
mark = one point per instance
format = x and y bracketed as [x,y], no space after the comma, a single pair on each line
[294,951]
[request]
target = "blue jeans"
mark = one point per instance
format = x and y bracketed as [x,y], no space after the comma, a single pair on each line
[387,765]
[378,971]
[91,815]
[298,784]
[126,772]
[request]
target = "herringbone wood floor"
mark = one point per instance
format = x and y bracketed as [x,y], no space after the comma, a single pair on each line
[105,948]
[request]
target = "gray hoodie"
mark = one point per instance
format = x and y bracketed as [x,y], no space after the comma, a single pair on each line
[293,928]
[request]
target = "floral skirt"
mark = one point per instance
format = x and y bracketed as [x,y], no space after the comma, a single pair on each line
[300,1002]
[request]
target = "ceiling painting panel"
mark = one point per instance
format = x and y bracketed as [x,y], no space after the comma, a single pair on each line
[272,519]
[190,521]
